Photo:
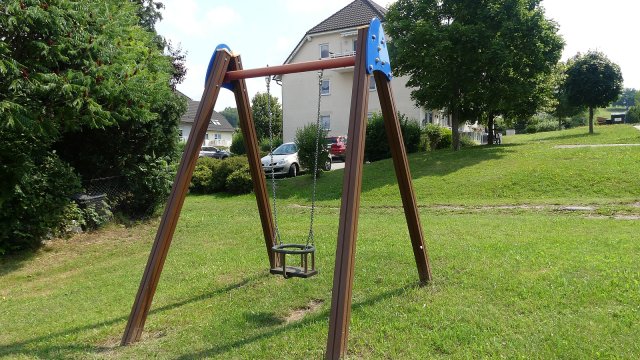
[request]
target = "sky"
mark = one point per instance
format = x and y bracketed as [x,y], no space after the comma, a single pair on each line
[265,32]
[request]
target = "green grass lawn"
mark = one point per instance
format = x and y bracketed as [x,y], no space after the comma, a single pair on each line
[514,275]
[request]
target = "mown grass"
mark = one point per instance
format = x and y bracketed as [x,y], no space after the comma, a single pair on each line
[515,283]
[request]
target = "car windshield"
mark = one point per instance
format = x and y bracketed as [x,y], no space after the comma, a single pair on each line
[209,148]
[332,140]
[285,149]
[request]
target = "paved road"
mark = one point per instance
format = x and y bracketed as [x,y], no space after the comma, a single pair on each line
[337,164]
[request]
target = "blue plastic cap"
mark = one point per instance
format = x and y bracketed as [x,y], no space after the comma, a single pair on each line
[213,58]
[377,51]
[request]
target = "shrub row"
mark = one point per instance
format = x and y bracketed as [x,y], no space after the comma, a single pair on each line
[230,175]
[377,145]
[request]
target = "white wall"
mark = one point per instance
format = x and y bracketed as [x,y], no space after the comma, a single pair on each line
[225,140]
[300,91]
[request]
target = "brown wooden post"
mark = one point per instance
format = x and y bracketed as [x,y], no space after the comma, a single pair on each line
[403,174]
[167,226]
[348,227]
[253,154]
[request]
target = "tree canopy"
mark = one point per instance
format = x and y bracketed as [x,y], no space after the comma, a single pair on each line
[85,92]
[592,81]
[260,114]
[474,57]
[231,114]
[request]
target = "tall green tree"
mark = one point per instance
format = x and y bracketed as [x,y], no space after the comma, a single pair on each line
[85,92]
[627,99]
[562,108]
[592,81]
[259,108]
[231,114]
[490,57]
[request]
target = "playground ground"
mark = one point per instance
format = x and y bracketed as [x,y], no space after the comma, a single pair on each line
[534,251]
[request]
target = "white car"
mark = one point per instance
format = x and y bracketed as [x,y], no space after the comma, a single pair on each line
[285,161]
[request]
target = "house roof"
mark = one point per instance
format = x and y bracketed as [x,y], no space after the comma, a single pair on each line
[217,122]
[356,14]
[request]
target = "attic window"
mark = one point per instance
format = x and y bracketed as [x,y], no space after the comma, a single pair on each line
[216,122]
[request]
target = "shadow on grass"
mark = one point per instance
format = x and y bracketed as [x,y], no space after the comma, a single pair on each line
[11,263]
[279,331]
[381,173]
[32,347]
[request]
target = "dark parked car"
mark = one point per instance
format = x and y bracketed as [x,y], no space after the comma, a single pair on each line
[337,146]
[210,151]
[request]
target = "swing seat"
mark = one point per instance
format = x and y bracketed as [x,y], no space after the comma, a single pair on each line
[302,271]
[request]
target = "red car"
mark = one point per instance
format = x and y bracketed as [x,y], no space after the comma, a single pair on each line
[337,146]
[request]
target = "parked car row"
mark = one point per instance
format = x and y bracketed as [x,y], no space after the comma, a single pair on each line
[213,152]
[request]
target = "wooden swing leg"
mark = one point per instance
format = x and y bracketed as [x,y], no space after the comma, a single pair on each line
[403,174]
[348,227]
[250,138]
[171,213]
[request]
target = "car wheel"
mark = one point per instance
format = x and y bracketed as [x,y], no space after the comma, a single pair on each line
[293,170]
[327,165]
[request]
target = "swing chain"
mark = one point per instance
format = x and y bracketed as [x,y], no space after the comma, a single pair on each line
[310,238]
[273,179]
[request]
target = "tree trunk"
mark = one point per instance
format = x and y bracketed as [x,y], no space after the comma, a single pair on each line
[590,120]
[455,131]
[490,125]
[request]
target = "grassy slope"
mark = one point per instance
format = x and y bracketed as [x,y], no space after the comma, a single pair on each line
[527,169]
[507,284]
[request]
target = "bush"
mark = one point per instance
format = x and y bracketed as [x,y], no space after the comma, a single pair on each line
[542,126]
[467,142]
[633,117]
[222,170]
[36,204]
[377,145]
[239,181]
[203,174]
[437,137]
[306,142]
[96,215]
[237,143]
[212,175]
[265,144]
[148,185]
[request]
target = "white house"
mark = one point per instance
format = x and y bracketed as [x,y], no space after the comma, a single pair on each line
[219,131]
[336,37]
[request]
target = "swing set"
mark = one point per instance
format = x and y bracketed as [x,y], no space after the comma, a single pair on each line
[225,70]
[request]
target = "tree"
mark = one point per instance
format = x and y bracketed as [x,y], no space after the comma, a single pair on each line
[260,113]
[627,99]
[592,81]
[563,109]
[83,84]
[231,114]
[491,57]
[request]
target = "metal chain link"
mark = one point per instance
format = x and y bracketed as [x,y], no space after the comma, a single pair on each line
[310,238]
[273,178]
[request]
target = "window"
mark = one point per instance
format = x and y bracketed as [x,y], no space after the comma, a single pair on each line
[324,51]
[217,136]
[369,115]
[355,45]
[206,136]
[325,89]
[180,133]
[325,122]
[372,84]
